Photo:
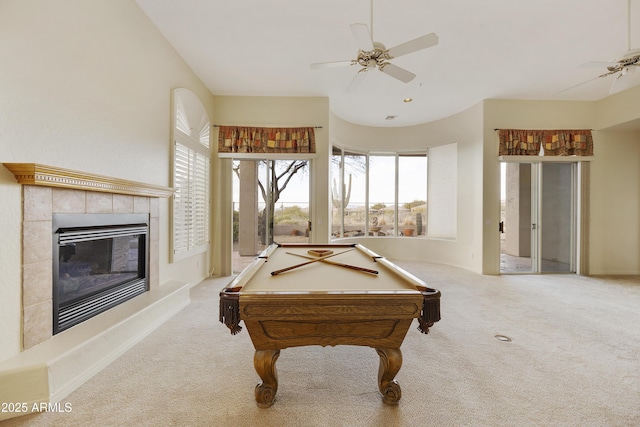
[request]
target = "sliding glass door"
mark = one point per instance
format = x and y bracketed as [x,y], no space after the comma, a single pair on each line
[271,204]
[538,223]
[557,218]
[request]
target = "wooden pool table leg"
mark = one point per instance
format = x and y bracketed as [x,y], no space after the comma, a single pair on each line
[265,364]
[390,363]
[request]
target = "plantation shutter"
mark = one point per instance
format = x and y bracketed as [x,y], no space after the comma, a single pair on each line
[191,175]
[182,199]
[201,201]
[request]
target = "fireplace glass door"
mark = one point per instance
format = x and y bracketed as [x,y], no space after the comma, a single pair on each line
[96,268]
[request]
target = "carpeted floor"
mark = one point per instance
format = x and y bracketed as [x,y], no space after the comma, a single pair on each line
[574,360]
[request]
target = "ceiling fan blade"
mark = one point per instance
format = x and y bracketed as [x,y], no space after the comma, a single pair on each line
[414,45]
[363,37]
[598,64]
[575,86]
[622,81]
[331,64]
[397,72]
[357,80]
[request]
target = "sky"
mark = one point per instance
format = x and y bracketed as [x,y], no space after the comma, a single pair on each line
[412,178]
[412,170]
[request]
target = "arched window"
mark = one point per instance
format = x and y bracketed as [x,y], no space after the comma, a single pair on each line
[191,159]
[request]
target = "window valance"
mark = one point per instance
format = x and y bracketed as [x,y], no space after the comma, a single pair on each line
[520,142]
[237,139]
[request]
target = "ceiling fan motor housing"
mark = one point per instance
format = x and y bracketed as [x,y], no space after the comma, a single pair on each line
[373,58]
[632,57]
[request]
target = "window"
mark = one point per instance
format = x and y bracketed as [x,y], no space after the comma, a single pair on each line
[348,193]
[382,199]
[380,195]
[191,154]
[338,195]
[412,194]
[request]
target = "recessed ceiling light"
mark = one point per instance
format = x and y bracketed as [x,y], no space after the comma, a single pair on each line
[407,100]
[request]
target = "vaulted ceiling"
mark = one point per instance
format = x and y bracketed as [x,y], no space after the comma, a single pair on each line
[489,49]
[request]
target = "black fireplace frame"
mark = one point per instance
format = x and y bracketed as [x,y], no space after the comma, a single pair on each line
[70,228]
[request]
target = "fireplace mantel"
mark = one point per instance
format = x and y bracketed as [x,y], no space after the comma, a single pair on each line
[51,176]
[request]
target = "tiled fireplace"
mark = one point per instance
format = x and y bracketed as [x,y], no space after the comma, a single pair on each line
[51,366]
[39,205]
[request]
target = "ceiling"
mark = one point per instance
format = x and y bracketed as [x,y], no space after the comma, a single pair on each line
[489,49]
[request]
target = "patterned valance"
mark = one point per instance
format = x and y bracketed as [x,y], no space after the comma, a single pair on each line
[236,139]
[521,142]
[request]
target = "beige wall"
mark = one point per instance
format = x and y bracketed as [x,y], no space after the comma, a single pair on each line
[619,109]
[86,85]
[615,204]
[465,129]
[615,186]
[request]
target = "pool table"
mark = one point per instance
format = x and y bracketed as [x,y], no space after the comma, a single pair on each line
[333,294]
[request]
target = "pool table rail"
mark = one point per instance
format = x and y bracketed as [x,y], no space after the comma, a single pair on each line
[318,305]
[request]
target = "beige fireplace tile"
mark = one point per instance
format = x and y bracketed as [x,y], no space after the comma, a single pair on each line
[36,282]
[154,207]
[154,253]
[154,230]
[122,203]
[37,203]
[37,241]
[38,323]
[99,202]
[140,204]
[154,267]
[69,201]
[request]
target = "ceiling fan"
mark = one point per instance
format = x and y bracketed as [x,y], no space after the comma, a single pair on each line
[374,55]
[623,68]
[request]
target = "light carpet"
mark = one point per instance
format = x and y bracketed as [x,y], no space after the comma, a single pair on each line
[574,360]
